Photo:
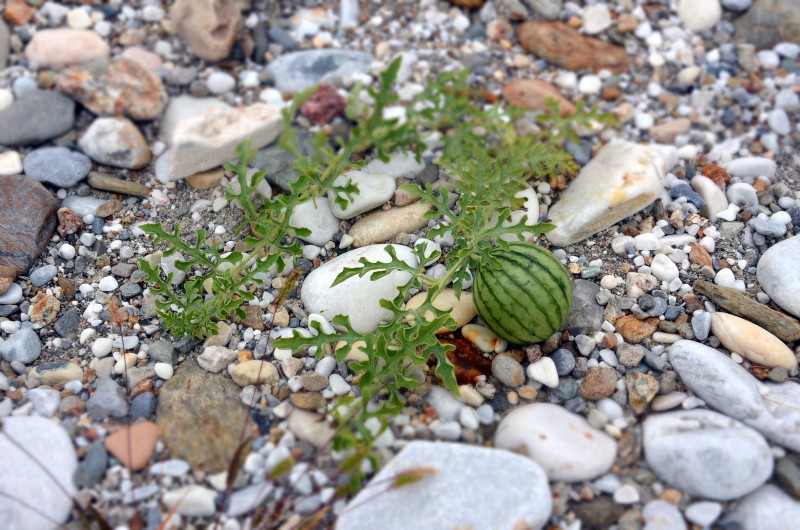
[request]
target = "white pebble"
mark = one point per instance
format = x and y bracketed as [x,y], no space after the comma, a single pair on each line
[164,370]
[66,251]
[108,284]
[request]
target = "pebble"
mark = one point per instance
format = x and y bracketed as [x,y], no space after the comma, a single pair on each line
[699,15]
[383,225]
[706,454]
[52,48]
[752,342]
[191,501]
[36,117]
[220,82]
[356,298]
[10,161]
[661,515]
[253,373]
[374,191]
[317,217]
[297,71]
[580,212]
[752,166]
[23,347]
[108,284]
[557,440]
[133,446]
[45,401]
[12,296]
[207,27]
[115,142]
[501,479]
[769,408]
[399,165]
[703,513]
[107,400]
[48,481]
[462,309]
[216,358]
[544,371]
[163,370]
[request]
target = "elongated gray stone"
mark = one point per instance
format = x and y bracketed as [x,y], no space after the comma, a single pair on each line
[297,71]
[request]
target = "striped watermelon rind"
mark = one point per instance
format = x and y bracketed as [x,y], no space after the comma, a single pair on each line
[527,298]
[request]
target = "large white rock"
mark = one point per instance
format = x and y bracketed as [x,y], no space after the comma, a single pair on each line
[779,274]
[26,480]
[773,409]
[563,443]
[619,181]
[209,139]
[357,297]
[468,487]
[767,509]
[752,342]
[316,216]
[182,108]
[373,191]
[706,454]
[699,15]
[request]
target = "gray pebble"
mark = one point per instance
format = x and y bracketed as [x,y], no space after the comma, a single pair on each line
[564,361]
[143,405]
[57,165]
[93,466]
[68,324]
[701,324]
[43,275]
[23,347]
[108,400]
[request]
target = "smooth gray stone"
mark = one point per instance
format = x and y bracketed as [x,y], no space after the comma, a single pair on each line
[779,274]
[57,165]
[297,71]
[768,508]
[23,346]
[4,44]
[706,454]
[471,487]
[773,409]
[36,117]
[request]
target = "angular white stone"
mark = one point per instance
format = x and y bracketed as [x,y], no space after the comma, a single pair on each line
[182,108]
[358,298]
[373,191]
[209,139]
[619,181]
[544,371]
[706,454]
[473,487]
[715,198]
[779,274]
[558,440]
[773,409]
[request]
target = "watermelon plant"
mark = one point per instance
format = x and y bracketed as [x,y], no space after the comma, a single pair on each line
[489,163]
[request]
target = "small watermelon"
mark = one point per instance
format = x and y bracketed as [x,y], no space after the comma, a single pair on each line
[527,298]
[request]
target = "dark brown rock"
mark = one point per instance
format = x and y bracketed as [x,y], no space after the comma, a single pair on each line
[200,417]
[599,513]
[27,220]
[782,326]
[568,48]
[769,22]
[68,222]
[118,87]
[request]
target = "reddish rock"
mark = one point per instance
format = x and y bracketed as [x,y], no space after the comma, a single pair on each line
[118,87]
[600,382]
[699,256]
[717,174]
[209,27]
[568,48]
[666,132]
[68,222]
[27,220]
[44,308]
[324,105]
[133,446]
[532,94]
[634,330]
[18,12]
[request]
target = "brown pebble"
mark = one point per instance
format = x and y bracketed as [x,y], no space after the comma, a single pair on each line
[634,330]
[600,382]
[136,454]
[307,400]
[527,393]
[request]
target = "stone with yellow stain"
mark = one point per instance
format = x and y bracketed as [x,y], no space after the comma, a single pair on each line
[618,182]
[253,373]
[463,308]
[483,338]
[356,352]
[752,342]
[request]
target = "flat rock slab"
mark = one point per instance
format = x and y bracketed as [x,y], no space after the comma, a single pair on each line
[28,481]
[773,409]
[618,182]
[200,417]
[568,48]
[782,326]
[465,487]
[27,220]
